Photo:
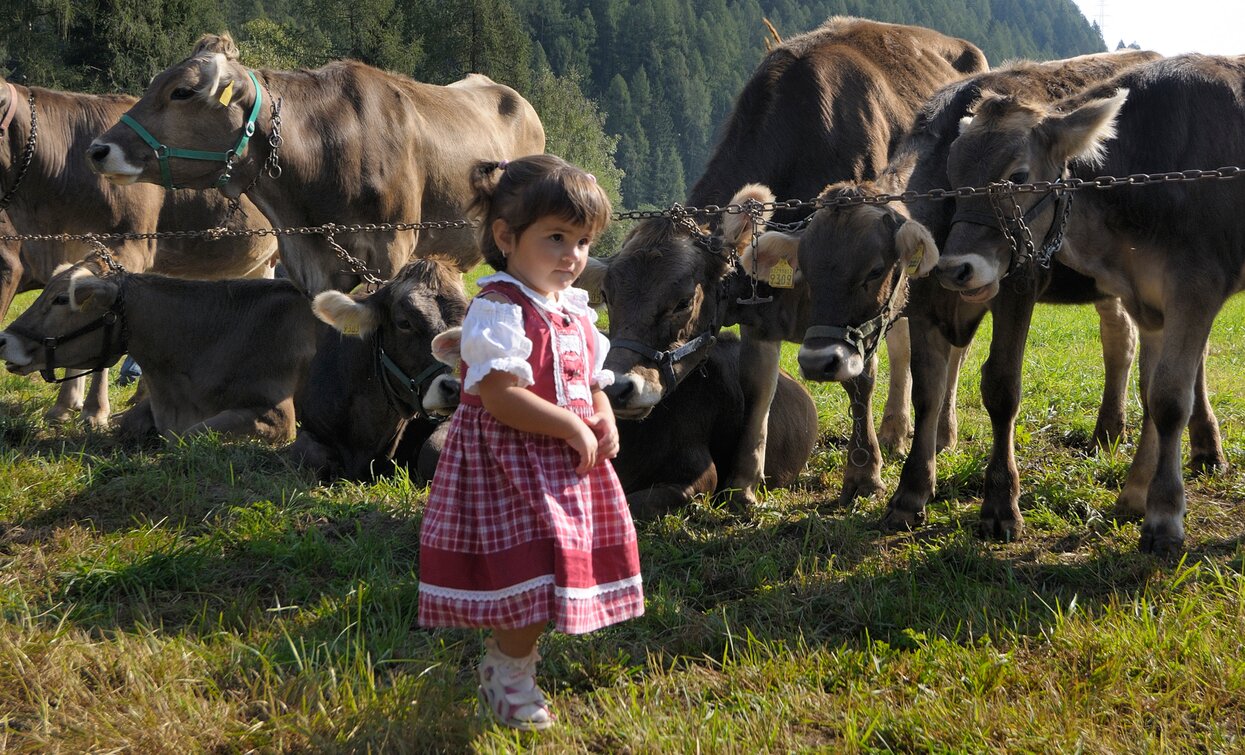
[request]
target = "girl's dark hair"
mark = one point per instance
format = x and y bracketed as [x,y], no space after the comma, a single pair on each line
[522,191]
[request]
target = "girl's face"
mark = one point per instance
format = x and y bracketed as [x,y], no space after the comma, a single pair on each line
[549,256]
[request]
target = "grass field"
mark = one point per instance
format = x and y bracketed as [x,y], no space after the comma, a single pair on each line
[205,597]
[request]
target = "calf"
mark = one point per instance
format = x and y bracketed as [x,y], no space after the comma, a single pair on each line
[688,443]
[1172,254]
[225,356]
[375,389]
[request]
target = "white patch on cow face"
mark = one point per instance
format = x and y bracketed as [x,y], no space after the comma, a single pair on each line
[113,164]
[834,362]
[644,395]
[14,352]
[976,277]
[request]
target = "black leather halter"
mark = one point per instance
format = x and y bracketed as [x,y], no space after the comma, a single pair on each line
[1015,226]
[111,321]
[867,337]
[404,393]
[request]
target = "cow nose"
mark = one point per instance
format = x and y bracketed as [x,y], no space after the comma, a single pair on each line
[620,392]
[98,152]
[958,276]
[821,367]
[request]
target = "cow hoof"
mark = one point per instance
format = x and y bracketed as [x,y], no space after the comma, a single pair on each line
[1208,464]
[1005,529]
[1159,543]
[97,422]
[1131,505]
[863,488]
[59,415]
[898,520]
[893,435]
[739,501]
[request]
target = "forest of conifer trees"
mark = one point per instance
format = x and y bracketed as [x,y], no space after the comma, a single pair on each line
[633,89]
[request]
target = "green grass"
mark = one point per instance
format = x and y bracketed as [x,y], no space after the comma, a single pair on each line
[205,596]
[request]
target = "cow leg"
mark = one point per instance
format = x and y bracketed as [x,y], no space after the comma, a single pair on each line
[930,357]
[758,376]
[1119,345]
[97,410]
[273,424]
[1169,400]
[137,423]
[659,500]
[1000,393]
[949,419]
[1205,443]
[896,419]
[1132,499]
[862,473]
[69,399]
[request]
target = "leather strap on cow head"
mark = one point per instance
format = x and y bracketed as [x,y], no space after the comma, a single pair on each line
[1015,225]
[406,396]
[164,152]
[112,322]
[28,152]
[666,360]
[867,337]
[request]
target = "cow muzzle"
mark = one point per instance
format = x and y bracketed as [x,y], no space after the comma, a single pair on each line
[108,160]
[632,396]
[17,357]
[441,398]
[830,361]
[974,276]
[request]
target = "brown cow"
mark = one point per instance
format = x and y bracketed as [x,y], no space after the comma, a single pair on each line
[374,384]
[356,145]
[58,193]
[827,105]
[1173,254]
[854,259]
[200,373]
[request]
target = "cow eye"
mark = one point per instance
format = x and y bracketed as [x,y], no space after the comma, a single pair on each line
[182,93]
[403,324]
[60,299]
[683,305]
[874,274]
[1019,177]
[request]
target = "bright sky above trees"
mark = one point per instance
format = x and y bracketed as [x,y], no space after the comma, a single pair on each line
[1208,26]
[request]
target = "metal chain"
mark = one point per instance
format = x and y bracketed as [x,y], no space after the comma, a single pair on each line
[272,165]
[28,154]
[681,214]
[102,253]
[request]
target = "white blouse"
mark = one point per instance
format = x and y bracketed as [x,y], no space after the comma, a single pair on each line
[493,337]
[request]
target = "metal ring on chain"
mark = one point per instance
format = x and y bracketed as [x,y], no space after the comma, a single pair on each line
[856,460]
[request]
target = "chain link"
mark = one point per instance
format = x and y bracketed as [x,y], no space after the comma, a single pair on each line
[679,213]
[28,154]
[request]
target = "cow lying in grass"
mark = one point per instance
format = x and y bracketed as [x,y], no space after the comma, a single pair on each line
[374,391]
[686,444]
[223,356]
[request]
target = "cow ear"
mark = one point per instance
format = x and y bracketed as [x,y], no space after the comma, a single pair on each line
[737,228]
[771,247]
[90,294]
[447,347]
[592,279]
[917,251]
[344,314]
[1083,133]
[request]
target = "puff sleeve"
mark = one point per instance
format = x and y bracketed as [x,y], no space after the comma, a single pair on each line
[494,339]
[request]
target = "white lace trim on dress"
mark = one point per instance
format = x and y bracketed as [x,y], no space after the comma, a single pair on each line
[569,593]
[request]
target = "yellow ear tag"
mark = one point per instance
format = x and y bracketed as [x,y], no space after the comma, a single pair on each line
[914,264]
[226,95]
[350,330]
[781,275]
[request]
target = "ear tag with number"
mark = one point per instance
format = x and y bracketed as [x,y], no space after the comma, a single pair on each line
[918,256]
[226,95]
[781,275]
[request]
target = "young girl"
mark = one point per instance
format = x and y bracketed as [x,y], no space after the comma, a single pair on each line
[526,523]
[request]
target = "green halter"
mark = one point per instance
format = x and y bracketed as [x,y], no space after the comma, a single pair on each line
[164,152]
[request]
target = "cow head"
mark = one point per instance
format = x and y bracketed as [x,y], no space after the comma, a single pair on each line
[403,317]
[1006,139]
[664,294]
[856,260]
[202,104]
[75,322]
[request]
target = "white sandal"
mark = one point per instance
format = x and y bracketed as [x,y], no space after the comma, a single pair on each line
[508,690]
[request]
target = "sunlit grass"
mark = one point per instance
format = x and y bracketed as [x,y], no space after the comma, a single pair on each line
[205,596]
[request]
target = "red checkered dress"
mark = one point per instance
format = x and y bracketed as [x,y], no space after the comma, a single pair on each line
[512,536]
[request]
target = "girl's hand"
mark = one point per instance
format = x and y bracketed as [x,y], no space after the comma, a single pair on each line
[606,433]
[585,442]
